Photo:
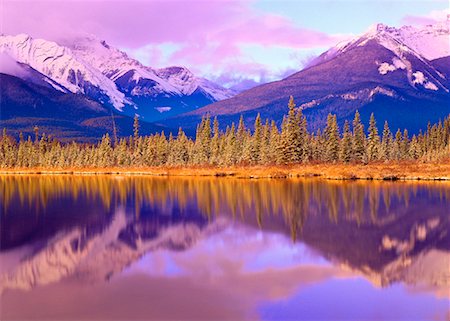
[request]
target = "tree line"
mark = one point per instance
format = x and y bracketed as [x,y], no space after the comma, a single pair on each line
[265,143]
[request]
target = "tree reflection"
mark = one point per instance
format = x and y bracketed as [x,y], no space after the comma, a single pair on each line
[294,200]
[374,227]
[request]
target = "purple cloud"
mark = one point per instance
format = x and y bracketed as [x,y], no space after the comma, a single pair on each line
[428,19]
[208,35]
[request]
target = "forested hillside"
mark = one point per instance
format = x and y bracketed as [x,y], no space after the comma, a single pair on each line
[238,145]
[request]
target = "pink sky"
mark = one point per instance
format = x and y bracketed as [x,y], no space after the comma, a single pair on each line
[248,39]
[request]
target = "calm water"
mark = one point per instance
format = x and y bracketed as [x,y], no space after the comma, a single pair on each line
[215,248]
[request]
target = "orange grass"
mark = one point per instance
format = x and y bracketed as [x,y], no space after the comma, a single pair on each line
[398,170]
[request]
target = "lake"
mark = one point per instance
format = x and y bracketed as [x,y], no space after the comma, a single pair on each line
[123,247]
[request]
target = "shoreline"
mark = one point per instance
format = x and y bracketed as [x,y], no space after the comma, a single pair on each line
[376,171]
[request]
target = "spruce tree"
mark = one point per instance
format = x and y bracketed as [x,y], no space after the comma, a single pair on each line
[414,148]
[265,144]
[229,157]
[346,149]
[135,128]
[215,147]
[290,150]
[274,142]
[359,148]
[104,150]
[36,134]
[240,138]
[332,139]
[397,146]
[385,151]
[373,140]
[304,137]
[405,145]
[256,141]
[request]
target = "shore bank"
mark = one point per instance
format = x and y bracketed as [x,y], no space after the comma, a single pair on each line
[376,171]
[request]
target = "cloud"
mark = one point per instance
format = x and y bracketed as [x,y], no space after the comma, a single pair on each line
[242,78]
[9,66]
[430,18]
[208,36]
[126,23]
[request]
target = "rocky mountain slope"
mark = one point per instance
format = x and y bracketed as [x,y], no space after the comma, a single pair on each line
[91,71]
[401,75]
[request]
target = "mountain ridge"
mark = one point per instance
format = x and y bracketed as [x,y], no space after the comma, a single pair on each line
[91,67]
[374,72]
[400,74]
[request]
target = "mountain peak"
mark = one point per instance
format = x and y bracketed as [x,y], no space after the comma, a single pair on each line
[61,65]
[387,70]
[88,65]
[378,28]
[429,42]
[21,37]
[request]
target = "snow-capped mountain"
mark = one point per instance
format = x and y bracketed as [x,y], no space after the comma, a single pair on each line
[426,44]
[402,75]
[60,65]
[118,66]
[431,41]
[91,67]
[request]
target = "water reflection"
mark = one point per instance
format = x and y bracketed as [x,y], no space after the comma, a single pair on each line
[273,238]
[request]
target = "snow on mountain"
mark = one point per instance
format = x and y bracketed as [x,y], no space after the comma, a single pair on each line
[430,42]
[117,65]
[91,67]
[10,66]
[187,83]
[60,65]
[386,70]
[407,43]
[216,91]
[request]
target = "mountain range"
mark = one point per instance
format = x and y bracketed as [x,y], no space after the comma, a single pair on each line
[72,88]
[401,75]
[82,87]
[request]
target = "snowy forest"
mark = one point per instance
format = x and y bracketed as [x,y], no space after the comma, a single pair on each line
[264,144]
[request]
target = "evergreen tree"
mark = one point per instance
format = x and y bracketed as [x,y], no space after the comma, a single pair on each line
[373,140]
[274,142]
[255,154]
[240,139]
[104,150]
[202,146]
[230,147]
[303,137]
[405,145]
[161,149]
[136,128]
[215,148]
[265,145]
[332,139]
[397,146]
[290,150]
[414,148]
[385,151]
[346,149]
[359,148]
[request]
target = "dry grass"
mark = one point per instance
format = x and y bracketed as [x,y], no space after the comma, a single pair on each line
[379,171]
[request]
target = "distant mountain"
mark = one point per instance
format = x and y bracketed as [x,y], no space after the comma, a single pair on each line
[33,101]
[152,93]
[402,75]
[91,71]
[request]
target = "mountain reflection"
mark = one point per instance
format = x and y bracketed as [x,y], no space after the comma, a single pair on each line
[93,227]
